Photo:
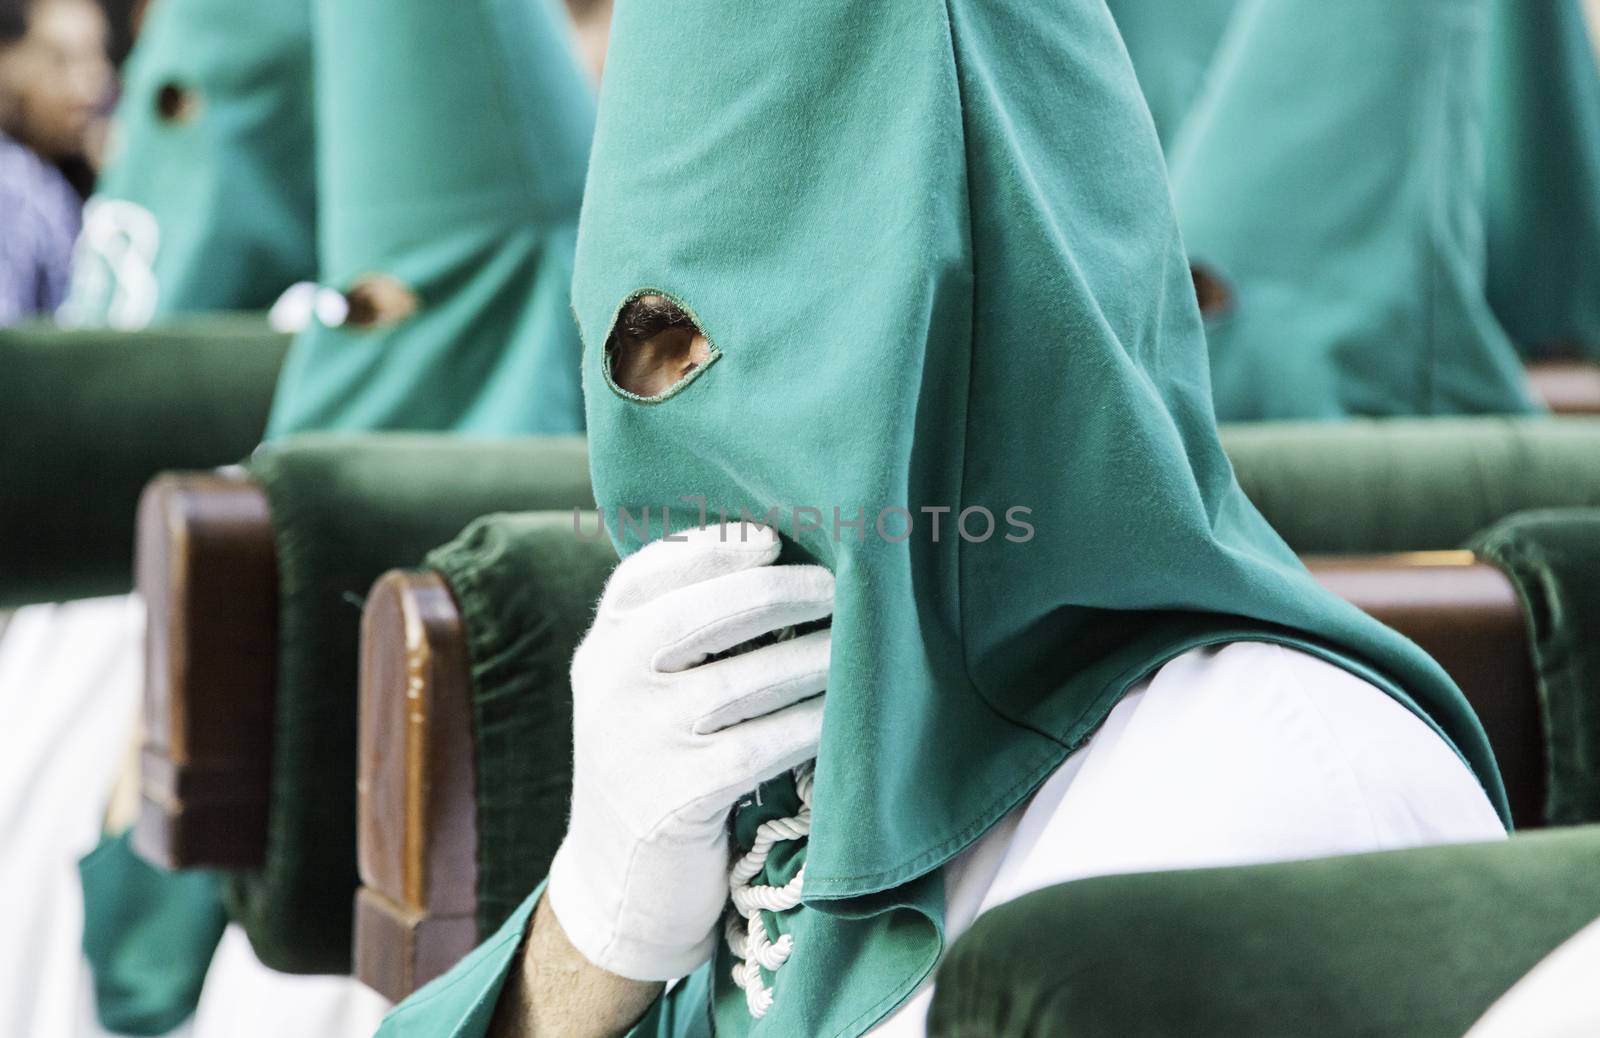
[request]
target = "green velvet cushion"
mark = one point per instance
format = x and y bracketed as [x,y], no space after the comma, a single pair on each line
[1410,484]
[148,935]
[90,417]
[526,587]
[345,509]
[1553,557]
[1416,943]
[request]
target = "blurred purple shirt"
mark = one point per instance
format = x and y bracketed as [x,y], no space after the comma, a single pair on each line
[39,219]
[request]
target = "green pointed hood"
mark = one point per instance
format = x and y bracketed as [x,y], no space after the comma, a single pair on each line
[933,245]
[457,169]
[207,201]
[1544,177]
[1172,45]
[1332,175]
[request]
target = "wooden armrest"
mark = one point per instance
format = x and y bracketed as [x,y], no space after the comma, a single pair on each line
[205,567]
[1568,387]
[1465,613]
[417,837]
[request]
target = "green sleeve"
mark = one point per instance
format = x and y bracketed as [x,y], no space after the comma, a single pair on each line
[461,1003]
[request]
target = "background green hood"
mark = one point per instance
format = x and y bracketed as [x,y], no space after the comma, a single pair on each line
[210,207]
[1544,177]
[934,245]
[456,167]
[1172,45]
[1332,172]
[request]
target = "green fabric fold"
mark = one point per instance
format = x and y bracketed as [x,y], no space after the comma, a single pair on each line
[208,200]
[345,509]
[1417,943]
[1553,558]
[149,935]
[1332,174]
[1410,484]
[456,169]
[526,586]
[91,416]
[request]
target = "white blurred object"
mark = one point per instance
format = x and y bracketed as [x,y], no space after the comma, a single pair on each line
[113,267]
[332,308]
[1559,998]
[70,680]
[305,301]
[69,690]
[293,309]
[244,999]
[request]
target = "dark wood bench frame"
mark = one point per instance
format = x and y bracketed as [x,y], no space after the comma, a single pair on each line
[418,840]
[206,568]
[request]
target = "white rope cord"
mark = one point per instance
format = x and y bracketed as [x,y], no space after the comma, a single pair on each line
[748,939]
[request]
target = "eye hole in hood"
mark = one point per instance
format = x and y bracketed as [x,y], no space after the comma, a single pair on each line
[656,348]
[177,103]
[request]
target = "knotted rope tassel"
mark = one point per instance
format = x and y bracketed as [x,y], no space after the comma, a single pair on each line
[748,939]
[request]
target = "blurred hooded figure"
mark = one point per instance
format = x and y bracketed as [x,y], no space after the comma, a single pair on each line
[208,198]
[1172,47]
[1330,187]
[1543,178]
[54,77]
[903,282]
[449,207]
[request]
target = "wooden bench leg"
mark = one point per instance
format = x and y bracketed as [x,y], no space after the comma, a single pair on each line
[417,836]
[206,569]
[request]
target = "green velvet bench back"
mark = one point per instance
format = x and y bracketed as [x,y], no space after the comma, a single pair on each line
[309,527]
[1410,484]
[91,416]
[344,537]
[1416,943]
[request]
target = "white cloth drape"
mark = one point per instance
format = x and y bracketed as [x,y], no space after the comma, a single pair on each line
[1245,754]
[70,682]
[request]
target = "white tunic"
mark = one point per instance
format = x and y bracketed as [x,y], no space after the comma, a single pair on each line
[1237,755]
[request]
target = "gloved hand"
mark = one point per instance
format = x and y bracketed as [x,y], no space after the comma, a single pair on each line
[666,741]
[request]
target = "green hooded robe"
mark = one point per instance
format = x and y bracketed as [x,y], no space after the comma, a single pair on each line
[933,247]
[1544,177]
[456,168]
[207,201]
[1332,174]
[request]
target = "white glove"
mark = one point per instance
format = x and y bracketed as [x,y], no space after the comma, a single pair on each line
[665,742]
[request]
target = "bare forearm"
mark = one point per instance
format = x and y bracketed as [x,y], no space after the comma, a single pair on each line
[556,991]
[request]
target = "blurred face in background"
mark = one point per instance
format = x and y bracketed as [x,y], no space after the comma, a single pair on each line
[56,78]
[592,21]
